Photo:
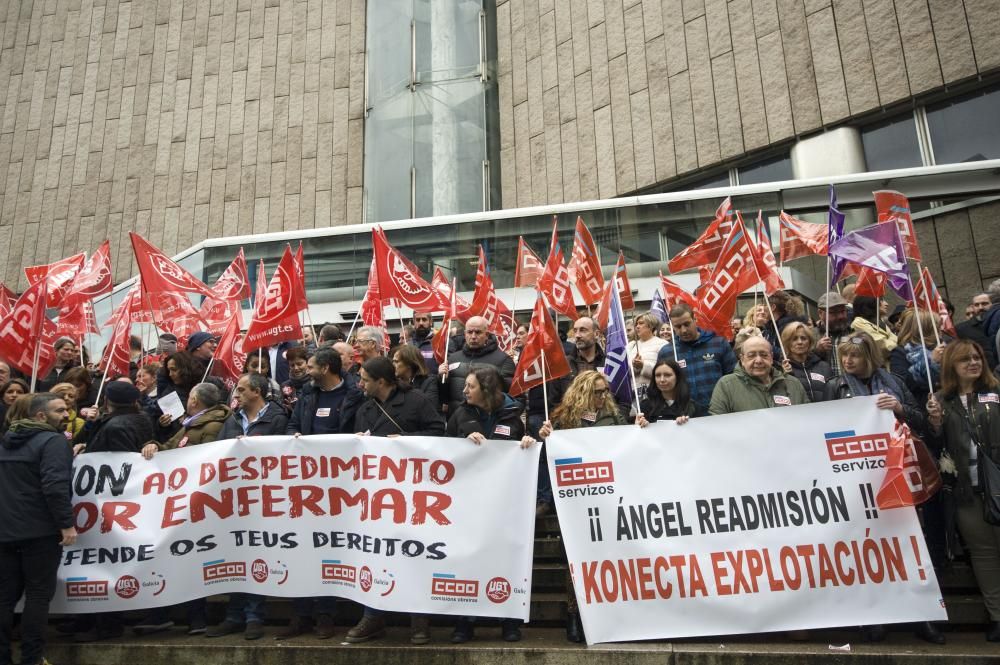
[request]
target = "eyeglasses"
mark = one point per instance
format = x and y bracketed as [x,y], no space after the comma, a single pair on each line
[969,359]
[600,392]
[857,340]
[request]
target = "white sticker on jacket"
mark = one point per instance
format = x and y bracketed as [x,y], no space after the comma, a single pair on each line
[502,430]
[781,400]
[817,377]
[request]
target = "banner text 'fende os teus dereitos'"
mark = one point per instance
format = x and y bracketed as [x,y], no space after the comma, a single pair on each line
[753,522]
[417,524]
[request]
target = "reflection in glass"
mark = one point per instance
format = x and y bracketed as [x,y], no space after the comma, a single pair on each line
[966,129]
[892,144]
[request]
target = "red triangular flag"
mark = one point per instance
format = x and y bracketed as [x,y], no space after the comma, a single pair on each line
[541,345]
[766,264]
[443,287]
[927,296]
[896,207]
[585,265]
[227,362]
[276,318]
[233,283]
[372,313]
[911,475]
[261,284]
[705,249]
[217,313]
[7,299]
[117,354]
[733,274]
[623,284]
[59,275]
[529,267]
[76,320]
[554,282]
[160,274]
[870,283]
[25,327]
[486,304]
[798,238]
[674,294]
[398,279]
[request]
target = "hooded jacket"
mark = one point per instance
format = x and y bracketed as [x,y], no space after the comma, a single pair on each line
[204,429]
[36,471]
[460,363]
[706,360]
[504,423]
[739,391]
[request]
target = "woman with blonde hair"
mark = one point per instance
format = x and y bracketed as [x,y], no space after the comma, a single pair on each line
[907,360]
[802,362]
[75,425]
[643,350]
[588,402]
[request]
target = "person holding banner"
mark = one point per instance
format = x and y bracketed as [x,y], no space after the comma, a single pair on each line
[965,422]
[643,350]
[203,424]
[392,409]
[756,383]
[487,413]
[330,401]
[298,377]
[588,402]
[802,362]
[669,398]
[36,521]
[908,360]
[705,356]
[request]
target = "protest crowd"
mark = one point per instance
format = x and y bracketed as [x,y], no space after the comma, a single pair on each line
[481,375]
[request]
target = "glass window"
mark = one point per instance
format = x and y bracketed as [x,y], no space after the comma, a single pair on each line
[771,170]
[966,129]
[892,144]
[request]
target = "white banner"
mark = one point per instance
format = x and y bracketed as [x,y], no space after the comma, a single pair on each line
[745,523]
[418,524]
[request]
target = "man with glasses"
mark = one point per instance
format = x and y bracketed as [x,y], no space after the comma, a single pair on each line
[368,343]
[833,308]
[756,383]
[480,348]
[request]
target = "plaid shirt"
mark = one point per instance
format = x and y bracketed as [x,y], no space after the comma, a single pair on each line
[706,360]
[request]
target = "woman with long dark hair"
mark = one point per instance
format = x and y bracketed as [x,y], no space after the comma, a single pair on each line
[669,396]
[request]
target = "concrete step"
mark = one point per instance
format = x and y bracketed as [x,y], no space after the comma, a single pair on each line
[540,646]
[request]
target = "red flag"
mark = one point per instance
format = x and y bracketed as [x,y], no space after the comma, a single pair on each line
[94,279]
[76,319]
[439,344]
[133,300]
[797,238]
[300,284]
[554,282]
[621,280]
[275,318]
[227,363]
[733,274]
[174,313]
[217,313]
[485,303]
[443,287]
[398,279]
[911,476]
[540,345]
[59,275]
[601,311]
[896,207]
[706,248]
[7,298]
[927,296]
[24,328]
[233,283]
[372,313]
[117,354]
[585,265]
[674,295]
[870,283]
[766,264]
[529,267]
[160,274]
[261,284]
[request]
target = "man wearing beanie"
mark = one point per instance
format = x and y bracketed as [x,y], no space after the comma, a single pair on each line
[202,345]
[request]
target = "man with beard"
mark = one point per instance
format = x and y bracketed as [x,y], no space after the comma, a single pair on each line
[480,348]
[422,338]
[705,356]
[840,327]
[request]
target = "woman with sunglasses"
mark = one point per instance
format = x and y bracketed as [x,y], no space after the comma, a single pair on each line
[965,422]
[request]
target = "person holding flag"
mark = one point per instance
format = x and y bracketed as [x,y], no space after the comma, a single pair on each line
[909,362]
[643,351]
[705,356]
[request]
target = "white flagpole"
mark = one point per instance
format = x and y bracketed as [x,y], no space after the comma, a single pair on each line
[770,311]
[923,343]
[628,368]
[927,293]
[446,325]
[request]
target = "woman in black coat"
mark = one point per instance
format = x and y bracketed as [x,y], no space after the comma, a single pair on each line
[812,371]
[412,370]
[669,398]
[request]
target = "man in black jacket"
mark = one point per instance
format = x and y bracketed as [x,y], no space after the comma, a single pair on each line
[36,519]
[257,415]
[329,402]
[423,339]
[480,348]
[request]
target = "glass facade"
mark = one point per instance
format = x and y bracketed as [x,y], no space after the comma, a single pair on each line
[431,109]
[892,144]
[966,129]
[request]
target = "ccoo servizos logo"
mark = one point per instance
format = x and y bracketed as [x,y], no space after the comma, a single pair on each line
[334,570]
[848,445]
[574,471]
[81,587]
[216,571]
[445,584]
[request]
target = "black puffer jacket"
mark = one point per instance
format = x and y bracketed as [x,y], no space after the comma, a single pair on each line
[36,470]
[460,363]
[658,409]
[813,374]
[404,412]
[913,414]
[504,423]
[272,422]
[122,432]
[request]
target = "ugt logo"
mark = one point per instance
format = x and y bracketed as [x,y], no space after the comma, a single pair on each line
[574,471]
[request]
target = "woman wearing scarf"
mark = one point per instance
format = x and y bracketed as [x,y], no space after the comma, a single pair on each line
[298,376]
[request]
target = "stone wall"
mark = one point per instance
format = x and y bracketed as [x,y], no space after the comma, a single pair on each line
[600,98]
[180,119]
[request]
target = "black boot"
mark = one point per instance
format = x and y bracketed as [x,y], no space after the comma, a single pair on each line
[993,634]
[928,632]
[574,629]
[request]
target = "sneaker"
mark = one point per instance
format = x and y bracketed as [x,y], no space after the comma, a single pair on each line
[227,627]
[421,626]
[148,628]
[254,630]
[464,631]
[368,628]
[325,628]
[197,627]
[297,626]
[510,630]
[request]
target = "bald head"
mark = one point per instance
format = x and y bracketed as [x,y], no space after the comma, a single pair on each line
[476,332]
[585,333]
[756,357]
[346,352]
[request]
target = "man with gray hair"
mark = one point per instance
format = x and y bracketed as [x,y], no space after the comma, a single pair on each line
[369,343]
[206,415]
[984,325]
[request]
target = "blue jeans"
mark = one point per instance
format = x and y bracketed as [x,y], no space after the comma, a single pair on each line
[245,607]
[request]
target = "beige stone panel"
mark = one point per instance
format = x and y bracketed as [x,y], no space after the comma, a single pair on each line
[548,59]
[777,101]
[355,153]
[859,71]
[508,176]
[504,65]
[233,169]
[956,244]
[985,29]
[505,93]
[276,212]
[296,94]
[356,108]
[553,148]
[213,45]
[519,64]
[324,156]
[280,138]
[621,116]
[728,108]
[535,100]
[175,181]
[765,17]
[702,93]
[338,192]
[605,146]
[260,215]
[307,199]
[985,240]
[182,91]
[635,41]
[951,32]
[197,96]
[293,159]
[247,199]
[185,234]
[324,212]
[82,154]
[203,190]
[299,33]
[567,92]
[522,155]
[231,218]
[673,31]
[256,53]
[342,57]
[600,85]
[327,74]
[887,52]
[614,26]
[532,34]
[241,51]
[922,65]
[570,162]
[798,65]
[186,50]
[652,18]
[581,38]
[829,68]
[642,139]
[310,119]
[682,115]
[564,20]
[238,106]
[693,9]
[313,39]
[586,139]
[281,71]
[539,192]
[595,10]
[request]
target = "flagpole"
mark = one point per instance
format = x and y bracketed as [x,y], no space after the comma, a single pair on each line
[445,331]
[34,363]
[209,368]
[97,400]
[769,310]
[545,389]
[635,384]
[826,289]
[927,294]
[920,329]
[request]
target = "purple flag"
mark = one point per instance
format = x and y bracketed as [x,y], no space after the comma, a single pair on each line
[835,231]
[617,367]
[879,248]
[658,308]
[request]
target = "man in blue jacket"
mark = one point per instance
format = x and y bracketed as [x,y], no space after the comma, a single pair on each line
[705,356]
[36,520]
